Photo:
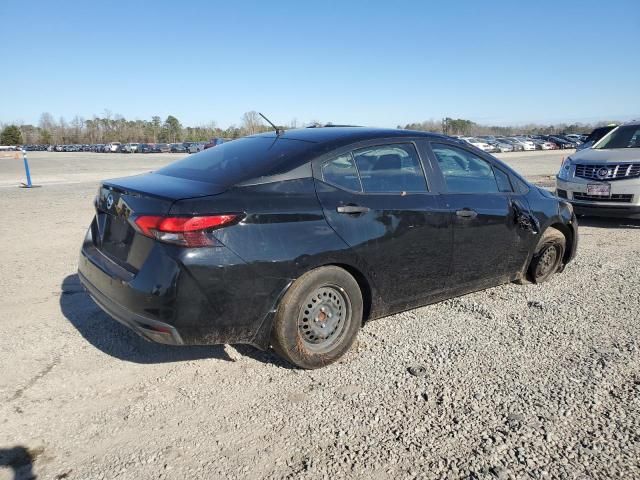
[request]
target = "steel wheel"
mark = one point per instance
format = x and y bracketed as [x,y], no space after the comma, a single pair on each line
[548,262]
[324,316]
[548,257]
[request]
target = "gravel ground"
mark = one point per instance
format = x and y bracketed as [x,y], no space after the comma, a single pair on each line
[517,381]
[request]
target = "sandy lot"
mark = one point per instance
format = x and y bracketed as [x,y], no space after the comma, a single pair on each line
[522,381]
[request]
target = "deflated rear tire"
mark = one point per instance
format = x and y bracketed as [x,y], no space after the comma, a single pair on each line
[318,318]
[548,257]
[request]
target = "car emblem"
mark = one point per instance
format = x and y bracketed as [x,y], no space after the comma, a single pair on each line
[602,173]
[109,202]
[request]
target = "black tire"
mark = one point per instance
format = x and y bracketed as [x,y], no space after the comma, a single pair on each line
[318,318]
[548,257]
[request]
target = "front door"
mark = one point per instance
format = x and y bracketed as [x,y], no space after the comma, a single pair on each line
[378,201]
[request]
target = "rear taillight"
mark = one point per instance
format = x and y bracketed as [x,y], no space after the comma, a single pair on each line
[185,231]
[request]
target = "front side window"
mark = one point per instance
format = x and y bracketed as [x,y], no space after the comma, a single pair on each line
[463,171]
[390,169]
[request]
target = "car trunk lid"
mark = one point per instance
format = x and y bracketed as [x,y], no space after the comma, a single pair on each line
[120,200]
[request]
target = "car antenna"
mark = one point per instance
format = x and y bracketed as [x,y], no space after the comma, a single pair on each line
[277,129]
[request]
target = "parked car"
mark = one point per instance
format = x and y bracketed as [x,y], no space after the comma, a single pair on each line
[113,147]
[295,239]
[162,148]
[481,144]
[527,145]
[177,148]
[130,147]
[543,144]
[194,147]
[562,143]
[502,146]
[604,180]
[576,137]
[214,142]
[517,146]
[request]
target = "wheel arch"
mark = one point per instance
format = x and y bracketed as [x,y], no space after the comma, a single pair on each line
[568,233]
[370,308]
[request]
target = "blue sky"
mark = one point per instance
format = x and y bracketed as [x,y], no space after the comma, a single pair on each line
[361,62]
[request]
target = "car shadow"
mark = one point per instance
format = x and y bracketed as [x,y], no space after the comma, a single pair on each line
[604,222]
[20,460]
[118,341]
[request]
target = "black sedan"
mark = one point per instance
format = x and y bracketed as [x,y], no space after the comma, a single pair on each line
[293,240]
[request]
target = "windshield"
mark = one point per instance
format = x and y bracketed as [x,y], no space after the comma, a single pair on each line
[622,137]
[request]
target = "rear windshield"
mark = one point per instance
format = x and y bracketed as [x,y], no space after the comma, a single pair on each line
[622,137]
[240,160]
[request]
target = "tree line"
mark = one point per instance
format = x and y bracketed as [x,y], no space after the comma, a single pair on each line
[115,128]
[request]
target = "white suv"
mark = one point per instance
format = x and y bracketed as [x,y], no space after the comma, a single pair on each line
[604,180]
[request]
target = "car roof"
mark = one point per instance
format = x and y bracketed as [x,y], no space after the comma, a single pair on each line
[345,135]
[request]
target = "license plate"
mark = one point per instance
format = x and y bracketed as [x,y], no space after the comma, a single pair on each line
[599,189]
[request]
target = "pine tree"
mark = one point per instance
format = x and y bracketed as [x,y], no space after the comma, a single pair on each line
[11,135]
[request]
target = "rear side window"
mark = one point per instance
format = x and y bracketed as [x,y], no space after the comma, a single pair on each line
[342,173]
[243,159]
[390,169]
[465,172]
[504,184]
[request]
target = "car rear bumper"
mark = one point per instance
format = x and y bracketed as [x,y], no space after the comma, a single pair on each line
[180,296]
[147,328]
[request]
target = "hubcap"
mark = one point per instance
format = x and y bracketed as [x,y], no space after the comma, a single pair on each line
[547,261]
[323,318]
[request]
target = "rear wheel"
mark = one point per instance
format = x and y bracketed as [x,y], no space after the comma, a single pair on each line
[318,318]
[548,257]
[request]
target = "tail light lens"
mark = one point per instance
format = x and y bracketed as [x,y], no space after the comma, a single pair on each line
[184,231]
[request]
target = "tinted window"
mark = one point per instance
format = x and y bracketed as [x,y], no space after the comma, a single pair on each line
[390,169]
[342,172]
[463,171]
[239,160]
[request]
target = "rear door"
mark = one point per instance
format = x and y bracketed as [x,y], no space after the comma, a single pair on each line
[489,245]
[378,201]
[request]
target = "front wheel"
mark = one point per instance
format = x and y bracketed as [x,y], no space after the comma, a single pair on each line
[318,318]
[548,257]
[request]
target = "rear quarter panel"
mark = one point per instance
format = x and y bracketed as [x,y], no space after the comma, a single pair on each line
[283,234]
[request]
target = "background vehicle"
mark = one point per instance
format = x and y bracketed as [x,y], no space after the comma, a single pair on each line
[604,180]
[214,142]
[562,143]
[112,147]
[325,227]
[502,146]
[527,144]
[481,144]
[130,147]
[161,148]
[517,146]
[177,148]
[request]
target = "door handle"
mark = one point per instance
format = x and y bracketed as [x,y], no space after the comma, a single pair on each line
[466,213]
[352,209]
